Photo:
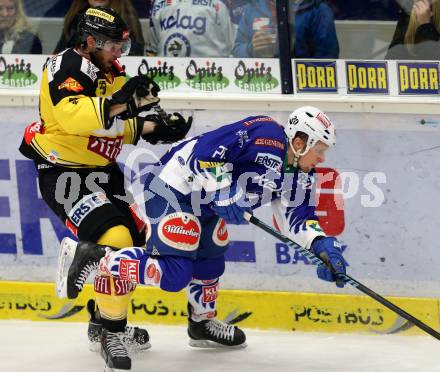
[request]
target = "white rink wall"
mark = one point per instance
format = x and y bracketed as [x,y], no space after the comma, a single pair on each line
[390,165]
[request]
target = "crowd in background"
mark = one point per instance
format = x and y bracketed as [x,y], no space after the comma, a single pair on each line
[228,28]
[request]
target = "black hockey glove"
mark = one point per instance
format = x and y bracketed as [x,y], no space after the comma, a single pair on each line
[139,93]
[169,130]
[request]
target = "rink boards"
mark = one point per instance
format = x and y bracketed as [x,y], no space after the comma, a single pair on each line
[289,311]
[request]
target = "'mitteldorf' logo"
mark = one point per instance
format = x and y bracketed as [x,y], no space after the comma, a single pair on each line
[254,79]
[16,75]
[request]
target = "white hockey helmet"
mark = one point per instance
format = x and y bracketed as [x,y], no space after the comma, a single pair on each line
[314,123]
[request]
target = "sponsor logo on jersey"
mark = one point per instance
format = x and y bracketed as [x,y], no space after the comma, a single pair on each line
[367,77]
[254,79]
[208,78]
[316,76]
[259,119]
[185,22]
[52,157]
[180,230]
[89,69]
[181,161]
[210,164]
[220,234]
[122,287]
[106,147]
[85,206]
[204,3]
[177,45]
[243,138]
[31,130]
[418,77]
[129,270]
[153,273]
[16,73]
[101,88]
[53,65]
[269,160]
[103,285]
[100,14]
[162,72]
[220,152]
[269,142]
[218,174]
[71,84]
[210,293]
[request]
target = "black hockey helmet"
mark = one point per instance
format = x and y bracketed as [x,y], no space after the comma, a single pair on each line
[107,27]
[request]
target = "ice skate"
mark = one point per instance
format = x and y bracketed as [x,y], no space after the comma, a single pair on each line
[214,333]
[75,263]
[135,339]
[114,352]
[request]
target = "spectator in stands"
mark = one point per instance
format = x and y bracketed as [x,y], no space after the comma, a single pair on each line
[143,7]
[123,7]
[365,9]
[15,36]
[236,9]
[313,33]
[191,28]
[417,35]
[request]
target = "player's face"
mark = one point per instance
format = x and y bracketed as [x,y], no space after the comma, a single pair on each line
[8,14]
[104,58]
[313,157]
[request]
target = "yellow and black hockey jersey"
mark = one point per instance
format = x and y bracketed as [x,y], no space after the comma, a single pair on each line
[74,115]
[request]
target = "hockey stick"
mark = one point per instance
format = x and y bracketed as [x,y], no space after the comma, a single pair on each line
[346,278]
[163,114]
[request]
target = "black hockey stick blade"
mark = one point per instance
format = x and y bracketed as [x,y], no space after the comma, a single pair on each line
[67,310]
[344,277]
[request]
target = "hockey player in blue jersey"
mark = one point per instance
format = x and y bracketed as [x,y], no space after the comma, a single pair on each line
[203,182]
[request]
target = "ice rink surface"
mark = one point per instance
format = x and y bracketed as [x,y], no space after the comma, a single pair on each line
[63,347]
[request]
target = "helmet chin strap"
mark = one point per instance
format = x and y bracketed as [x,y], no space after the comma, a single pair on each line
[298,154]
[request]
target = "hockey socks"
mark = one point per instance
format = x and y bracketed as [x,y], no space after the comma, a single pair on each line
[204,329]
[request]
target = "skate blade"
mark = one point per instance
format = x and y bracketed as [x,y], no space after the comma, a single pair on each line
[206,344]
[110,369]
[94,346]
[65,258]
[137,349]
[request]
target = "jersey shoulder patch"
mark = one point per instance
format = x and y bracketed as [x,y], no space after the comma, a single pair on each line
[89,69]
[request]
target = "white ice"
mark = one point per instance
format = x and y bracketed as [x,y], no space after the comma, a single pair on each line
[63,347]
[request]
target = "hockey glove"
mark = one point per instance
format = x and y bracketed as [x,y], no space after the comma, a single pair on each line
[139,93]
[169,130]
[230,204]
[329,249]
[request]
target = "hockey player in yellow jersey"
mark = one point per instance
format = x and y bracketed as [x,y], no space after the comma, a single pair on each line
[88,111]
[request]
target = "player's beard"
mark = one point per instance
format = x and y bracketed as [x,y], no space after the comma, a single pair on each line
[99,62]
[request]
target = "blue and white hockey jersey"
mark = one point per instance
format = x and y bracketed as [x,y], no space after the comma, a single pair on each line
[190,28]
[250,153]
